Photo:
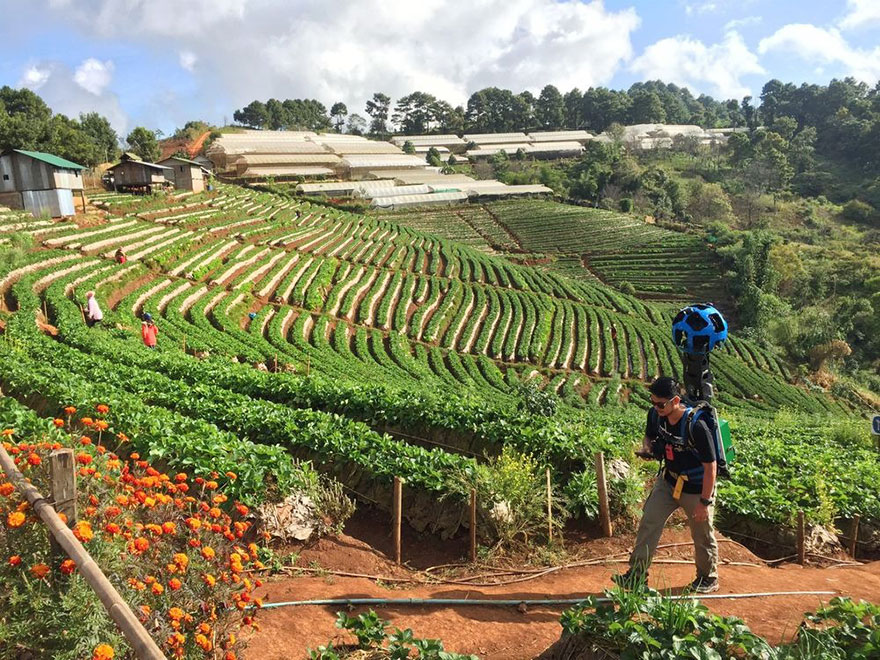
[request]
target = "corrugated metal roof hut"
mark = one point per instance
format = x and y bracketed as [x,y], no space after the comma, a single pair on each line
[39,182]
[185,174]
[138,176]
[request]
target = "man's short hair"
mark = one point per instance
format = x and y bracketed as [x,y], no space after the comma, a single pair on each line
[665,387]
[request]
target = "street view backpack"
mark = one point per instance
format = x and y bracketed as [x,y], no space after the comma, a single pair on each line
[719,431]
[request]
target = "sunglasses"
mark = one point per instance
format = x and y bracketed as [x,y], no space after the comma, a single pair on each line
[661,405]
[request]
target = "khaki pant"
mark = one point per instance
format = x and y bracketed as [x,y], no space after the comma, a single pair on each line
[659,506]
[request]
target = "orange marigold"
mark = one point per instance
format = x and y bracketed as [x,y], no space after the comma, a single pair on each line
[87,421]
[39,571]
[34,459]
[85,440]
[102,408]
[181,559]
[68,566]
[175,584]
[141,544]
[112,528]
[103,652]
[175,614]
[208,552]
[157,589]
[15,560]
[83,458]
[15,519]
[6,489]
[83,531]
[169,527]
[58,422]
[70,410]
[101,425]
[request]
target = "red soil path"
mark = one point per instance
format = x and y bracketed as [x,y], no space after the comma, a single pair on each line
[504,632]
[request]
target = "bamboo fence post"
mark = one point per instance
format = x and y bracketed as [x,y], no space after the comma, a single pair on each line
[601,486]
[549,508]
[83,312]
[136,635]
[473,522]
[854,536]
[397,516]
[45,312]
[801,538]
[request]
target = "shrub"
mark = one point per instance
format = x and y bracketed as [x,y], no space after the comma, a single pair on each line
[857,211]
[626,204]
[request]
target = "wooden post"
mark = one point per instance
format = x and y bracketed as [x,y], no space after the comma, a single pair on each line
[473,522]
[45,312]
[62,490]
[83,312]
[549,509]
[397,515]
[854,536]
[801,539]
[601,486]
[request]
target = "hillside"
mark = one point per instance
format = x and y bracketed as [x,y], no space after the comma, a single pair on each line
[378,351]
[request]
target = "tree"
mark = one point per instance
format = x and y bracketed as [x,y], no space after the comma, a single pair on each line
[433,157]
[253,115]
[338,112]
[356,124]
[101,134]
[602,107]
[414,113]
[378,108]
[68,140]
[142,141]
[646,108]
[24,120]
[550,109]
[408,148]
[573,102]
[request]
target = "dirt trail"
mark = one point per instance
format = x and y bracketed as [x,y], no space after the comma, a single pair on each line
[504,632]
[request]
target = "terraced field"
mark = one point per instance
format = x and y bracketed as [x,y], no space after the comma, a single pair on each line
[588,244]
[372,327]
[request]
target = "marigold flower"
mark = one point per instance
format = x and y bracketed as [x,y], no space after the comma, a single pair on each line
[34,459]
[141,544]
[112,511]
[203,642]
[68,566]
[157,589]
[63,517]
[175,584]
[181,559]
[6,489]
[83,531]
[242,509]
[83,458]
[135,456]
[15,560]
[215,512]
[87,421]
[112,528]
[193,523]
[103,652]
[208,552]
[122,437]
[175,614]
[212,485]
[7,432]
[15,519]
[70,410]
[58,422]
[205,628]
[85,440]
[209,579]
[39,571]
[102,408]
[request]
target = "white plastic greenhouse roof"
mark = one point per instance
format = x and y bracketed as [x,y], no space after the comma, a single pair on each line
[496,138]
[368,188]
[555,136]
[303,170]
[397,191]
[427,139]
[425,148]
[399,201]
[502,190]
[382,160]
[269,147]
[327,187]
[287,159]
[556,146]
[345,148]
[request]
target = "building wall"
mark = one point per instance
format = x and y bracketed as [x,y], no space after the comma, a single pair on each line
[54,203]
[20,172]
[132,173]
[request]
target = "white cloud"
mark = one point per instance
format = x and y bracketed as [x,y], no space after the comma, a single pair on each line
[188,60]
[824,46]
[742,22]
[349,50]
[93,75]
[62,92]
[34,77]
[716,69]
[862,13]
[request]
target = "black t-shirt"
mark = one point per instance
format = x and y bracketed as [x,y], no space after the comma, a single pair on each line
[682,456]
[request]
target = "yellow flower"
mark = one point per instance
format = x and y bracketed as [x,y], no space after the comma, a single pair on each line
[15,519]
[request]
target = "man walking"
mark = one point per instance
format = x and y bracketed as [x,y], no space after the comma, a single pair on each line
[687,480]
[94,315]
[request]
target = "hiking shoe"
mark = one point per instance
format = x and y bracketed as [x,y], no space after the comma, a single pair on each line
[630,580]
[704,585]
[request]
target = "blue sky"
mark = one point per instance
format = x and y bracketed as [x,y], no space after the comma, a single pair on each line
[160,63]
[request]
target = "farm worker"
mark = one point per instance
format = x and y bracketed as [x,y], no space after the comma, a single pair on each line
[149,331]
[120,256]
[686,480]
[93,310]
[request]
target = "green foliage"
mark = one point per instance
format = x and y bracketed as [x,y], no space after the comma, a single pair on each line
[408,148]
[858,211]
[143,142]
[535,401]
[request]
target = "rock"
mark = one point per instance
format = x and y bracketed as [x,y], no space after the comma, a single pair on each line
[293,519]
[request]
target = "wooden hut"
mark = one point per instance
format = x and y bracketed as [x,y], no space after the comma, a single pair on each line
[185,174]
[138,176]
[40,183]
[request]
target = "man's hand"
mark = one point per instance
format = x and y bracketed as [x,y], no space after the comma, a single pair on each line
[701,513]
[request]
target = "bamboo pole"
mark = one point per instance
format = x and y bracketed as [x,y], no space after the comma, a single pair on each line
[397,515]
[854,536]
[601,486]
[549,508]
[117,608]
[801,538]
[473,522]
[62,487]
